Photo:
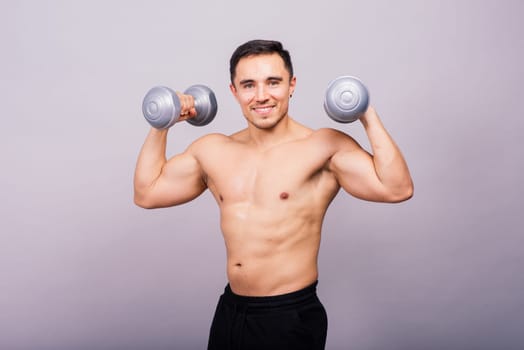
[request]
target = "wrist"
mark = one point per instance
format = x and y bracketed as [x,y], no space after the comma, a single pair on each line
[369,117]
[158,132]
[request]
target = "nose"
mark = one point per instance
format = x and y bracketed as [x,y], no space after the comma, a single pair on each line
[261,93]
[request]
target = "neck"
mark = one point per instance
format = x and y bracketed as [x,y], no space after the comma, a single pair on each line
[266,138]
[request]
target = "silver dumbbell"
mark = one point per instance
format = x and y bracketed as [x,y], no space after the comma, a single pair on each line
[346,99]
[161,106]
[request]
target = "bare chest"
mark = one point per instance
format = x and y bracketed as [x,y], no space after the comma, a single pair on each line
[282,174]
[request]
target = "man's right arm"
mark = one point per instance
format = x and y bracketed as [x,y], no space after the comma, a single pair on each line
[162,183]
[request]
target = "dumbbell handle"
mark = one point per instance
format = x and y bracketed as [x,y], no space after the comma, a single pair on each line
[161,106]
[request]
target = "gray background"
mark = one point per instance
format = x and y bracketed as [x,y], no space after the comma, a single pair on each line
[82,268]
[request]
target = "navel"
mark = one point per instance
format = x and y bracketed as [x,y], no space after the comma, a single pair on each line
[220,197]
[284,195]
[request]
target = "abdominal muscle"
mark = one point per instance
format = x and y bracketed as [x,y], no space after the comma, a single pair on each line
[270,251]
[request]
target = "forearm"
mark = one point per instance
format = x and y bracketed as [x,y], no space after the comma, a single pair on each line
[390,165]
[151,159]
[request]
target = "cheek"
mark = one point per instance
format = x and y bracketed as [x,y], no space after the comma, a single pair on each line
[281,93]
[245,97]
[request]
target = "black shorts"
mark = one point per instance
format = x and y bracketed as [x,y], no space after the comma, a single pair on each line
[290,321]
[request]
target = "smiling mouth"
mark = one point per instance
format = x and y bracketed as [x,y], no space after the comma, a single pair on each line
[263,109]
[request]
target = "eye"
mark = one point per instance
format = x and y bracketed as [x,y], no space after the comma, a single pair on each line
[248,85]
[274,83]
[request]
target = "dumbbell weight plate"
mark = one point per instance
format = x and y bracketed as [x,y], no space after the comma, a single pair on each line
[161,107]
[205,104]
[346,99]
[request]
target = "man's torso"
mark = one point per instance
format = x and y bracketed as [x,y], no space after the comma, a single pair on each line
[272,203]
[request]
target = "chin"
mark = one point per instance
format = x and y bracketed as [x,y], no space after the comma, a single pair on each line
[267,123]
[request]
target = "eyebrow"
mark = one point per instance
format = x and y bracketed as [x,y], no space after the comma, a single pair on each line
[246,81]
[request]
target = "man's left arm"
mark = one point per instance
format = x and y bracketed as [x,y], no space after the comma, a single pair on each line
[382,176]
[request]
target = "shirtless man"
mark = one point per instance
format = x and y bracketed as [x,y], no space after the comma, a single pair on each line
[273,182]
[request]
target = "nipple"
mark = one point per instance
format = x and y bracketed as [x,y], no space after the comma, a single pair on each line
[284,195]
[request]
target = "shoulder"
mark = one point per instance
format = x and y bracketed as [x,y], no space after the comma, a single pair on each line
[329,133]
[329,137]
[241,136]
[209,140]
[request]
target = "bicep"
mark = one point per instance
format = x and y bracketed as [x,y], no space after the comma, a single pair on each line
[355,171]
[179,182]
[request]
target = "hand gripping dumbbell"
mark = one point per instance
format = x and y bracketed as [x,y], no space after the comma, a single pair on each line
[161,106]
[346,99]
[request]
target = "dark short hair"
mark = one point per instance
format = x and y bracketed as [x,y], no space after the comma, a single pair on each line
[259,47]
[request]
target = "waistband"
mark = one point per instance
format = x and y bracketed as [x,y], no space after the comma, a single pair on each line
[288,299]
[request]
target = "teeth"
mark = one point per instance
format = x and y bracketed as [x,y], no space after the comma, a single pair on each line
[263,109]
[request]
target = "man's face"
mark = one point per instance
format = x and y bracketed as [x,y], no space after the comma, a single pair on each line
[262,87]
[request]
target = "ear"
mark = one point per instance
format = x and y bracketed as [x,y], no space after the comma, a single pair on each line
[292,84]
[233,89]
